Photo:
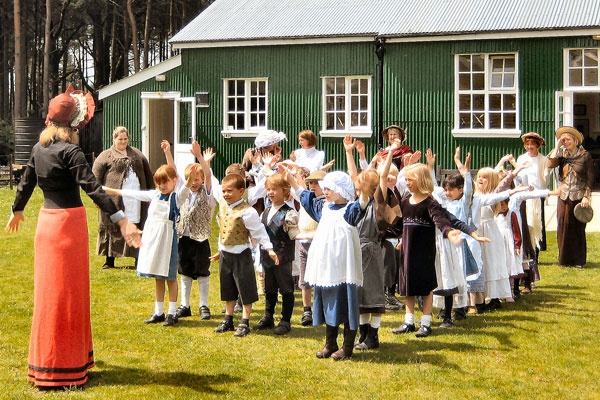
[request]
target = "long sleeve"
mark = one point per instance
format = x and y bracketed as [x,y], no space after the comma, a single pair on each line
[355,212]
[181,194]
[257,229]
[25,187]
[291,224]
[505,183]
[311,204]
[439,217]
[141,195]
[516,229]
[363,164]
[482,200]
[456,223]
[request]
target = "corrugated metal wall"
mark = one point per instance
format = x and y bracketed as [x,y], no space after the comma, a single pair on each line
[419,82]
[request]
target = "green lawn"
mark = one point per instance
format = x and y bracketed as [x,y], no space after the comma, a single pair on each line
[544,346]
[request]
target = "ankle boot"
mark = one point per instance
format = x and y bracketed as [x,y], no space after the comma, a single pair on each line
[346,351]
[331,345]
[372,340]
[527,282]
[362,331]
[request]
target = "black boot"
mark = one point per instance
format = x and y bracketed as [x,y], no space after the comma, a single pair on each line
[516,290]
[331,345]
[347,348]
[372,340]
[362,332]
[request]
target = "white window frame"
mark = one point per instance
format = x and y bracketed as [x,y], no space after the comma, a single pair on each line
[248,130]
[487,91]
[360,131]
[567,68]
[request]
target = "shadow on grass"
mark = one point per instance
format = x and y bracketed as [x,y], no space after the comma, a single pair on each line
[109,375]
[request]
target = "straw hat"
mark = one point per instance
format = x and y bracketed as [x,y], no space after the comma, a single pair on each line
[318,175]
[583,214]
[74,109]
[384,133]
[571,131]
[533,135]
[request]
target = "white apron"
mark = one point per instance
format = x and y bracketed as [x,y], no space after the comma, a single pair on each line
[157,239]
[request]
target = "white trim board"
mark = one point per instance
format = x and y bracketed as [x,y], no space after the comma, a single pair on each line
[139,77]
[272,42]
[495,35]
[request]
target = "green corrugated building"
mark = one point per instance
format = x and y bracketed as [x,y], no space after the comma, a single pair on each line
[474,73]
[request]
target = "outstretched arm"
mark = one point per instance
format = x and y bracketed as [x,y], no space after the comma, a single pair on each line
[166,146]
[348,147]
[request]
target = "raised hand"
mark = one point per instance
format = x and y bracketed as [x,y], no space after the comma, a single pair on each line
[348,143]
[360,147]
[411,158]
[196,150]
[430,157]
[208,154]
[325,167]
[165,145]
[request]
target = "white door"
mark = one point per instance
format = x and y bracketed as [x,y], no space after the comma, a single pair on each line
[184,131]
[563,109]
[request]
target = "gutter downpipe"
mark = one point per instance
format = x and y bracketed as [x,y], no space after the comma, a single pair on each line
[380,51]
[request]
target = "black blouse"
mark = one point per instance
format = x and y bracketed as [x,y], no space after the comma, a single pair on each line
[60,169]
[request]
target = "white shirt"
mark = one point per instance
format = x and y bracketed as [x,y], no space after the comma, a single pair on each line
[311,158]
[251,221]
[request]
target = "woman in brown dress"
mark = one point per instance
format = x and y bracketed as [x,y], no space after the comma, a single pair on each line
[576,176]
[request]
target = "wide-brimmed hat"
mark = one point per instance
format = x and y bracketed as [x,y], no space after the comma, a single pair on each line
[384,133]
[583,214]
[534,136]
[269,137]
[318,175]
[73,108]
[571,131]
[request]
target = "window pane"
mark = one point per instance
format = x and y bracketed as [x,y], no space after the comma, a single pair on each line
[329,85]
[231,121]
[340,103]
[363,119]
[240,87]
[465,120]
[510,102]
[253,88]
[575,58]
[495,121]
[478,81]
[230,104]
[354,86]
[253,103]
[497,65]
[354,103]
[509,64]
[340,86]
[478,63]
[478,102]
[253,119]
[230,88]
[339,121]
[590,58]
[510,120]
[330,103]
[591,77]
[354,119]
[262,119]
[575,77]
[262,102]
[464,82]
[464,102]
[464,63]
[478,121]
[240,104]
[363,102]
[330,119]
[496,80]
[364,86]
[495,102]
[509,80]
[240,121]
[262,88]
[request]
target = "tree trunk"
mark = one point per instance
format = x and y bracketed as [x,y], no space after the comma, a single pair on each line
[20,65]
[147,33]
[126,44]
[136,50]
[3,62]
[47,47]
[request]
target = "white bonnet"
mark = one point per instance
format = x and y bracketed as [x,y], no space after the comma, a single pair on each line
[267,138]
[341,183]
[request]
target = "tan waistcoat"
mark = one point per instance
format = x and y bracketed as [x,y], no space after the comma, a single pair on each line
[231,227]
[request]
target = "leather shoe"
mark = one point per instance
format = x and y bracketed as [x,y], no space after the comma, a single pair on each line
[404,328]
[423,331]
[204,313]
[283,328]
[154,319]
[265,322]
[170,320]
[224,326]
[242,330]
[183,311]
[326,352]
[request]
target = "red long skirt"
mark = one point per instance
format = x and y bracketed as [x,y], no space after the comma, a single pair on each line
[60,350]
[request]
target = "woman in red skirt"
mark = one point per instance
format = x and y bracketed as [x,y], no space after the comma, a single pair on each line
[60,349]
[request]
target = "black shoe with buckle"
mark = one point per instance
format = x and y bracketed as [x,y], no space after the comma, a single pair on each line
[307,318]
[170,320]
[283,328]
[423,331]
[183,311]
[224,326]
[242,330]
[204,312]
[154,319]
[265,322]
[404,328]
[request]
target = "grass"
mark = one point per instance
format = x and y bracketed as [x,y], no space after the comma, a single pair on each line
[543,346]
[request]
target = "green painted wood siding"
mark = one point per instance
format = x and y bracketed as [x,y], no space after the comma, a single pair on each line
[419,93]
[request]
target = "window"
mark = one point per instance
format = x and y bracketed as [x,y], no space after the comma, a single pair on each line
[486,95]
[582,69]
[346,106]
[245,106]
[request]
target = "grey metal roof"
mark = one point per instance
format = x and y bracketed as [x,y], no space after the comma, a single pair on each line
[233,20]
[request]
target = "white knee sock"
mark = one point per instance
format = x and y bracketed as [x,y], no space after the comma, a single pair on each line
[203,282]
[159,307]
[375,321]
[364,318]
[409,319]
[186,289]
[426,320]
[172,308]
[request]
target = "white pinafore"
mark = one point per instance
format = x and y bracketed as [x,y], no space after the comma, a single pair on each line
[157,239]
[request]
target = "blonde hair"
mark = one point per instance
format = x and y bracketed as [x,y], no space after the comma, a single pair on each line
[277,181]
[164,173]
[493,179]
[237,169]
[118,130]
[392,171]
[372,178]
[194,166]
[309,136]
[53,132]
[422,176]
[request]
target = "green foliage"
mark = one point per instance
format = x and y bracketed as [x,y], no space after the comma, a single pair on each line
[7,141]
[542,347]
